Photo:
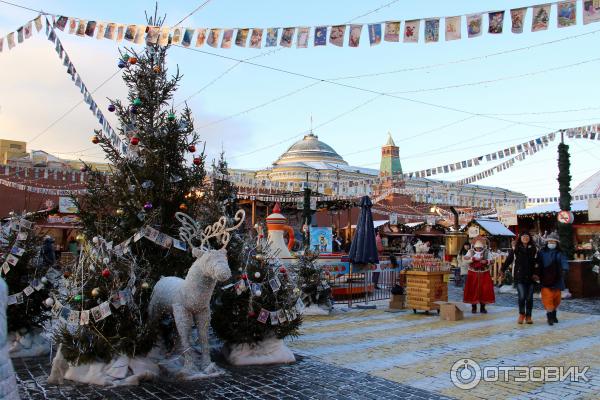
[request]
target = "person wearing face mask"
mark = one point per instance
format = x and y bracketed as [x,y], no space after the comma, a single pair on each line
[479,288]
[552,264]
[523,254]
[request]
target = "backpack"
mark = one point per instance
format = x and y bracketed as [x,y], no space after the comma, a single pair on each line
[551,275]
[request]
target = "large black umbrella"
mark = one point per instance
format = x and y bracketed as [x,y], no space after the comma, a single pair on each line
[364,248]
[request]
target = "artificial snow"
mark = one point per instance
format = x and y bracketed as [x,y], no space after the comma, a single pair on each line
[315,309]
[267,351]
[507,289]
[28,344]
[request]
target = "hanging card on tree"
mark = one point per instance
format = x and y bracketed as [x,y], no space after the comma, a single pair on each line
[274,318]
[263,316]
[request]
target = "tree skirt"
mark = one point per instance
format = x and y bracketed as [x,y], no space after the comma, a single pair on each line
[29,344]
[268,351]
[315,309]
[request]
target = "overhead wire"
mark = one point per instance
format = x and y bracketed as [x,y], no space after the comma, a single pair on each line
[193,12]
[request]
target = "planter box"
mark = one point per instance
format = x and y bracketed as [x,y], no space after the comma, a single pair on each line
[581,280]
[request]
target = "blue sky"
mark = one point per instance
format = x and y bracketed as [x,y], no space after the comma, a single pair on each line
[36,90]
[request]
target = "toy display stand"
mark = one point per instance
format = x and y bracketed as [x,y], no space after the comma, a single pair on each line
[424,289]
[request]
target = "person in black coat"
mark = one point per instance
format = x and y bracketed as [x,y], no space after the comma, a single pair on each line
[524,256]
[48,254]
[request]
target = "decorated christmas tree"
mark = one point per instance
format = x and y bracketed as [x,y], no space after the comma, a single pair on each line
[27,260]
[131,232]
[258,308]
[316,292]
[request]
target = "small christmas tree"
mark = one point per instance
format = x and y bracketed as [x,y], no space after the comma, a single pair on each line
[316,292]
[261,304]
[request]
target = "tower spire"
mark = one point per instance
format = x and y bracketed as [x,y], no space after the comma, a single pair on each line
[390,159]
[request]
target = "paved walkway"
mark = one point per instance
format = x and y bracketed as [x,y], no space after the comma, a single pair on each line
[419,350]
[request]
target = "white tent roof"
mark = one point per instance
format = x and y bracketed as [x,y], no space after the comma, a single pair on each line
[589,186]
[577,205]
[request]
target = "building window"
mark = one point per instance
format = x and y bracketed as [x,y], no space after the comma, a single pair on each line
[16,146]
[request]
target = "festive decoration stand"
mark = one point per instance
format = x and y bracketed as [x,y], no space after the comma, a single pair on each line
[8,383]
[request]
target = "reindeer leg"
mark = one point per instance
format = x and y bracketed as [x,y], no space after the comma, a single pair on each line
[202,322]
[183,321]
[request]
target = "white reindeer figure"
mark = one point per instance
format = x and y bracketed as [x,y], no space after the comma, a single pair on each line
[189,299]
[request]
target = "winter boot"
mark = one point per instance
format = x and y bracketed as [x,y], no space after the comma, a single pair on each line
[554,317]
[528,320]
[550,318]
[474,308]
[482,308]
[521,319]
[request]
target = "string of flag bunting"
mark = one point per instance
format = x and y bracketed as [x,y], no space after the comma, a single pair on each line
[555,199]
[426,30]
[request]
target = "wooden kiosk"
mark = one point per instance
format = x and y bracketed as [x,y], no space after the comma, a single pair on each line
[426,283]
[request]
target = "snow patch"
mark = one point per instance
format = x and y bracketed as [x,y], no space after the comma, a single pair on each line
[29,344]
[315,309]
[267,351]
[507,289]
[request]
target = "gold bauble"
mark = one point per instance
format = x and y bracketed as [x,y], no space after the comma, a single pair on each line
[96,292]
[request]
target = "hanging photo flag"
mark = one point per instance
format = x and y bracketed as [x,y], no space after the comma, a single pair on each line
[1,44]
[374,34]
[201,38]
[227,38]
[566,13]
[271,40]
[120,32]
[38,23]
[151,38]
[90,28]
[354,36]
[100,30]
[241,38]
[287,37]
[392,31]
[474,22]
[452,28]
[188,35]
[517,17]
[411,31]
[432,30]
[130,32]
[10,39]
[320,36]
[496,22]
[213,37]
[111,27]
[302,41]
[72,26]
[540,18]
[177,35]
[27,30]
[591,11]
[139,34]
[256,38]
[336,36]
[61,22]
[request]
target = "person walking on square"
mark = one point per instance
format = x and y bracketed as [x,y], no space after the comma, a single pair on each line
[524,256]
[552,263]
[479,288]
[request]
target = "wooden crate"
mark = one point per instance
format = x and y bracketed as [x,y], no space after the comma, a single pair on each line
[423,289]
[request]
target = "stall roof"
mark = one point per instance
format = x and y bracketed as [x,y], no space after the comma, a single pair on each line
[376,223]
[577,205]
[494,227]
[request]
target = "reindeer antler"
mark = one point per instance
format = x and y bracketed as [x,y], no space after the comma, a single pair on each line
[190,229]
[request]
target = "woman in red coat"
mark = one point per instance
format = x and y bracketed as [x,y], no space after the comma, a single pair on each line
[479,288]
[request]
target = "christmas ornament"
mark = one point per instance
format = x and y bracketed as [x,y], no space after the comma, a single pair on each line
[122,64]
[95,139]
[77,298]
[125,57]
[171,117]
[133,109]
[197,161]
[258,293]
[44,280]
[192,148]
[95,240]
[141,216]
[282,270]
[111,108]
[156,69]
[259,257]
[96,292]
[244,276]
[66,274]
[132,188]
[145,285]
[257,275]
[251,314]
[183,207]
[148,206]
[49,302]
[120,212]
[83,169]
[132,60]
[137,102]
[106,260]
[105,273]
[147,184]
[134,141]
[296,290]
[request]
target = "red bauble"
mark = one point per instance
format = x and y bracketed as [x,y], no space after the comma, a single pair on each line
[95,139]
[244,276]
[197,161]
[192,148]
[132,60]
[251,314]
[282,270]
[134,141]
[105,273]
[67,274]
